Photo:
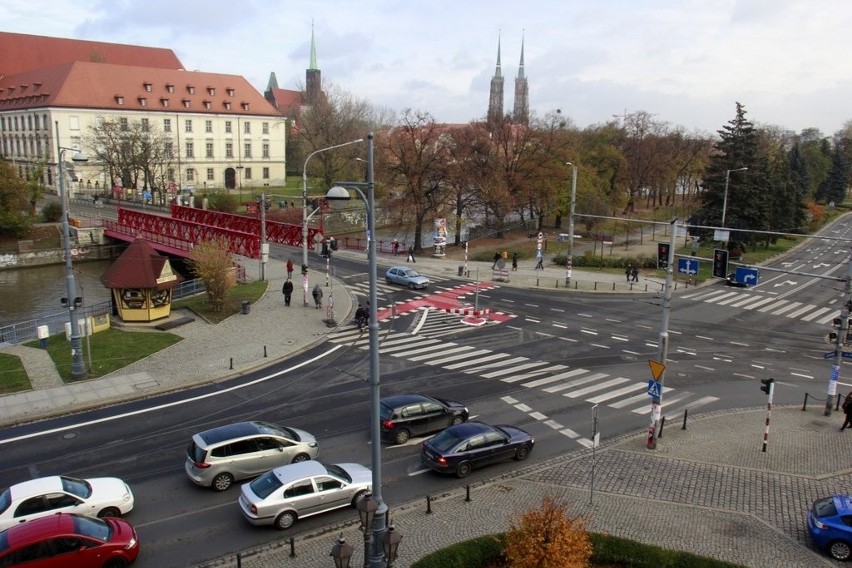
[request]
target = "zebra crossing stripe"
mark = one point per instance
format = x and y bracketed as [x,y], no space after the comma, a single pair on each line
[501,372]
[597,387]
[492,357]
[555,378]
[787,308]
[771,307]
[746,299]
[570,433]
[575,383]
[437,346]
[616,393]
[668,402]
[717,299]
[703,297]
[385,350]
[535,373]
[812,315]
[638,399]
[511,361]
[800,311]
[760,303]
[692,404]
[829,318]
[463,348]
[467,355]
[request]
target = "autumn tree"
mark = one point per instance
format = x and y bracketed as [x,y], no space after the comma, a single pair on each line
[132,151]
[211,262]
[548,538]
[468,171]
[15,208]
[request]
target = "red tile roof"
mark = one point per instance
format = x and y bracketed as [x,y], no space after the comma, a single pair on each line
[105,86]
[139,266]
[23,52]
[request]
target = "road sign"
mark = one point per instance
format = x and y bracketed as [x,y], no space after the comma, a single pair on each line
[746,275]
[657,369]
[687,266]
[830,354]
[654,388]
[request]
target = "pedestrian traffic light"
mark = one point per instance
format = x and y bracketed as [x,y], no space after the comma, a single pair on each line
[663,255]
[767,385]
[304,269]
[720,263]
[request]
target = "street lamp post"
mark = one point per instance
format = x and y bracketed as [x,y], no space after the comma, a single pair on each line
[78,368]
[305,215]
[569,263]
[725,198]
[380,517]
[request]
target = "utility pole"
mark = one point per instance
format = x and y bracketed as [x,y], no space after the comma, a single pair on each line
[840,341]
[657,401]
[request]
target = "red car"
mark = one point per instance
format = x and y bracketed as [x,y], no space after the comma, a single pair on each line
[66,540]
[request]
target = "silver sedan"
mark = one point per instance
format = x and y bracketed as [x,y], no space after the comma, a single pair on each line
[287,493]
[406,277]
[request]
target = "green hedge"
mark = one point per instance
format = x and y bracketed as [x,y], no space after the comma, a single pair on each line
[607,550]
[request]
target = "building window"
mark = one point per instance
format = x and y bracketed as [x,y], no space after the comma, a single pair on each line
[148,86]
[190,174]
[190,89]
[265,127]
[227,127]
[210,176]
[73,123]
[208,126]
[169,149]
[164,101]
[170,88]
[119,100]
[247,150]
[247,127]
[186,103]
[167,125]
[190,150]
[188,124]
[265,173]
[229,149]
[146,126]
[123,124]
[230,91]
[143,101]
[208,105]
[211,91]
[245,106]
[265,150]
[248,173]
[208,149]
[227,105]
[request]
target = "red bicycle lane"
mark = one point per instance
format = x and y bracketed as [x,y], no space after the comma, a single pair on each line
[453,301]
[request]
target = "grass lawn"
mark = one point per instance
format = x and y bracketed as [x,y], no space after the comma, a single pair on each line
[251,291]
[13,377]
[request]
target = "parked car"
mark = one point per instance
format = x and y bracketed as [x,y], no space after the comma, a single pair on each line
[101,497]
[830,525]
[406,277]
[299,490]
[219,456]
[407,415]
[66,540]
[464,447]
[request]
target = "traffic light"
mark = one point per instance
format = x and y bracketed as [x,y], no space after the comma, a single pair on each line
[304,269]
[720,263]
[767,385]
[663,255]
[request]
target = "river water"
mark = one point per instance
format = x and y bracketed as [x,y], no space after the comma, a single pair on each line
[31,293]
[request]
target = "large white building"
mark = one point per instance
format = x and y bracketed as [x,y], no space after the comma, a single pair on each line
[221,132]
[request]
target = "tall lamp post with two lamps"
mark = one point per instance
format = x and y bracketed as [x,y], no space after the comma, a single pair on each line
[379,519]
[569,263]
[725,198]
[78,368]
[306,216]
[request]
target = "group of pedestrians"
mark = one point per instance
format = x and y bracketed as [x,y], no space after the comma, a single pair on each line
[632,273]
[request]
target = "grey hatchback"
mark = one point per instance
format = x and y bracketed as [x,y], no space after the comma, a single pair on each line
[219,456]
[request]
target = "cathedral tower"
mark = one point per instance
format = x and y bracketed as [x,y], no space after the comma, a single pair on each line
[313,76]
[495,99]
[521,112]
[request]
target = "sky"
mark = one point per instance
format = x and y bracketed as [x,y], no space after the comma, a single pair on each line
[687,62]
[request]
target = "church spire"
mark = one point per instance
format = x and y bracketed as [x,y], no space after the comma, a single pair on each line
[495,97]
[521,112]
[313,63]
[313,76]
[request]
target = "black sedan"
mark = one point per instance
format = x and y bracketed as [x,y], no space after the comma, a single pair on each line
[407,415]
[461,448]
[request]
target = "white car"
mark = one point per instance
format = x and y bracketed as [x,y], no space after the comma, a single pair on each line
[97,497]
[406,277]
[287,493]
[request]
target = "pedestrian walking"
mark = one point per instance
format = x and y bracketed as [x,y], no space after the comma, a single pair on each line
[395,247]
[410,254]
[496,258]
[289,268]
[317,294]
[628,272]
[287,290]
[540,264]
[634,274]
[847,410]
[514,262]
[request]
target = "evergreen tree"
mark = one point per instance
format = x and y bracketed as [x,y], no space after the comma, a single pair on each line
[837,182]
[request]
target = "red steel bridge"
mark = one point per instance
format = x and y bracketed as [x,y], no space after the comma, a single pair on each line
[188,226]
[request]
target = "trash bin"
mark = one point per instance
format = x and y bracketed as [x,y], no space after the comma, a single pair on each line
[246,306]
[461,270]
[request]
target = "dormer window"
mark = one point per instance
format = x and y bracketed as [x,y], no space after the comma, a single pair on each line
[164,101]
[190,89]
[230,91]
[119,100]
[36,84]
[24,87]
[227,105]
[143,101]
[185,103]
[208,105]
[170,87]
[148,86]
[211,91]
[245,106]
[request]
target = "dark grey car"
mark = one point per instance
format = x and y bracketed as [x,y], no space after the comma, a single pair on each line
[407,415]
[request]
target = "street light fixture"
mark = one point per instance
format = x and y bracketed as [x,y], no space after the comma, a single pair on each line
[725,198]
[367,512]
[570,261]
[390,544]
[78,368]
[341,552]
[338,193]
[305,215]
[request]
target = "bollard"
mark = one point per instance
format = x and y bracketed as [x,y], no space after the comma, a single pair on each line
[239,560]
[264,351]
[467,494]
[232,363]
[662,423]
[292,547]
[685,414]
[805,403]
[428,505]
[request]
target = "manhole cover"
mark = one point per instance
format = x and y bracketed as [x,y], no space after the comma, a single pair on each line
[69,435]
